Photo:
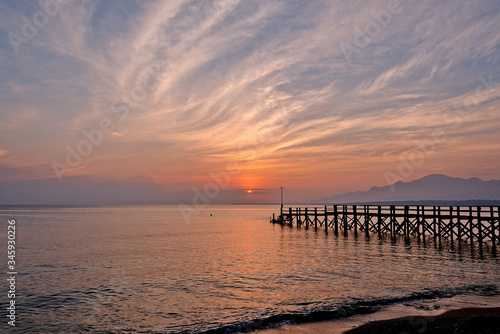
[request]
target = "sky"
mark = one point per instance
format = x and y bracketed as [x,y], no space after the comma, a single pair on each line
[215,98]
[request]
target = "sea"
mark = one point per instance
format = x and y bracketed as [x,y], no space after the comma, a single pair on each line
[218,269]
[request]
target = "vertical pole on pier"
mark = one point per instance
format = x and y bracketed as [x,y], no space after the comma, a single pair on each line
[355,220]
[326,220]
[492,228]
[392,217]
[451,227]
[344,207]
[471,228]
[418,223]
[440,227]
[497,227]
[379,220]
[336,219]
[424,223]
[459,226]
[367,221]
[479,228]
[406,222]
[281,207]
[315,218]
[306,218]
[299,221]
[434,223]
[290,217]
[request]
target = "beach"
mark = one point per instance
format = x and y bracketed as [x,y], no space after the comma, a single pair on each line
[461,314]
[467,320]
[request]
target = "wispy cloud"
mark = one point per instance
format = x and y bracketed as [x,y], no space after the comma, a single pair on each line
[239,77]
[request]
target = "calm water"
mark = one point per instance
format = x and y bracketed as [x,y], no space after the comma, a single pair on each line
[145,269]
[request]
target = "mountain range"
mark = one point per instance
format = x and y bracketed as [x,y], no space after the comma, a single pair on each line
[431,188]
[80,190]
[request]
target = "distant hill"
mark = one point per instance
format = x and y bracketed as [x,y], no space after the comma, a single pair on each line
[436,188]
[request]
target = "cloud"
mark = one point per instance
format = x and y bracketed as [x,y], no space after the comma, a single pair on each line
[264,84]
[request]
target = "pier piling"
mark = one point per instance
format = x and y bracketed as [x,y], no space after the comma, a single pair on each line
[458,224]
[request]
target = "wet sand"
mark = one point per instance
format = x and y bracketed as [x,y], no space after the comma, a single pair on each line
[463,314]
[467,320]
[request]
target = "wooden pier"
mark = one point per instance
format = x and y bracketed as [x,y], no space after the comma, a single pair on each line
[478,225]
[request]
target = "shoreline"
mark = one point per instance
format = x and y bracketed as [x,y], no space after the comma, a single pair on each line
[403,318]
[465,320]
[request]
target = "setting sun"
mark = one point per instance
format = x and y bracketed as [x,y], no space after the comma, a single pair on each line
[133,130]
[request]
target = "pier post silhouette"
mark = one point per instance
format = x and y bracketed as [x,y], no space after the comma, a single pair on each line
[458,224]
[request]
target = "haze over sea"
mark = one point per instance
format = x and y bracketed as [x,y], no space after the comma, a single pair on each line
[145,269]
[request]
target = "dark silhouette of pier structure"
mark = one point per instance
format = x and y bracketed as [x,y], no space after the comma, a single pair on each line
[478,225]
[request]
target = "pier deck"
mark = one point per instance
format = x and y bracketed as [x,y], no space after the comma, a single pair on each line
[460,224]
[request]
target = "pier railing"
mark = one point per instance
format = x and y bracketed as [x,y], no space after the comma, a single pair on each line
[462,224]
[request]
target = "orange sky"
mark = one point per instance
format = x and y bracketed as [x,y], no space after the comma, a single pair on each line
[293,95]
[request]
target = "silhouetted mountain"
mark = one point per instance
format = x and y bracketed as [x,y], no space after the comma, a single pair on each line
[435,187]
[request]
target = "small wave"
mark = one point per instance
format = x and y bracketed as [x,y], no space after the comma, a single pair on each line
[332,312]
